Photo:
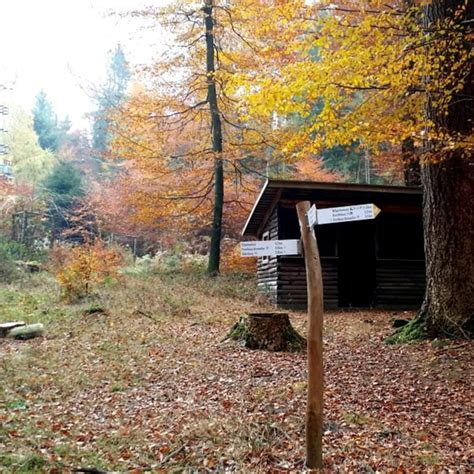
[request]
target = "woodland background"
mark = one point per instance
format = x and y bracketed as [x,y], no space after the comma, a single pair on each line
[153,198]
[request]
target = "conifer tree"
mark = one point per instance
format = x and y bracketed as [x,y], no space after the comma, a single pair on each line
[45,123]
[109,98]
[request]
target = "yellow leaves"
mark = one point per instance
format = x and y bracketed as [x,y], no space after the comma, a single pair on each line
[371,68]
[79,269]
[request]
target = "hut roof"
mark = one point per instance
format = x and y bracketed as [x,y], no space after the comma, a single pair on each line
[399,199]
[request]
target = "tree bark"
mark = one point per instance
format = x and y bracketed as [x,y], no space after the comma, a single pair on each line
[448,197]
[216,131]
[26,332]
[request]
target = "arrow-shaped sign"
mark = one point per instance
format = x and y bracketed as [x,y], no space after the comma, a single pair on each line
[269,248]
[334,215]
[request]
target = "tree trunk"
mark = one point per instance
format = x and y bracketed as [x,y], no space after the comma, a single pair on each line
[448,198]
[216,130]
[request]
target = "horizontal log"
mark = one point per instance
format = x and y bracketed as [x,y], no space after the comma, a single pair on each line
[397,300]
[6,327]
[27,332]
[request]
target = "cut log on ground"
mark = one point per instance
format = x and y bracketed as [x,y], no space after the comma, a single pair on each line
[267,331]
[27,332]
[29,267]
[6,327]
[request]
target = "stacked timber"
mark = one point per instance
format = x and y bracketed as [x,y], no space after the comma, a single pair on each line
[21,330]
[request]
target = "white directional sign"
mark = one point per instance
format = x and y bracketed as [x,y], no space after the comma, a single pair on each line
[334,215]
[312,216]
[269,248]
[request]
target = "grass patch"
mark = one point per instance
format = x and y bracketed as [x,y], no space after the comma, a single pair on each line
[34,299]
[30,463]
[429,459]
[356,418]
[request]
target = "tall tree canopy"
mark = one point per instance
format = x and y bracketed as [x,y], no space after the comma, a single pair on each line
[109,98]
[295,79]
[178,129]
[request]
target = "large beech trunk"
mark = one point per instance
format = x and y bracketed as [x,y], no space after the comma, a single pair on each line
[448,206]
[449,235]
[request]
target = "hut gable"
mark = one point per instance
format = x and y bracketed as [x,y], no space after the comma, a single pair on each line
[366,263]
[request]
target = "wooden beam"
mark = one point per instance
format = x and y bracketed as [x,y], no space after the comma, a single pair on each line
[385,208]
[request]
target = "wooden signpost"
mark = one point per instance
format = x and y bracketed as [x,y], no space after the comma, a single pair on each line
[308,217]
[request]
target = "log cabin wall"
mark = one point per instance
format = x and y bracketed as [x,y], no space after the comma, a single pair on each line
[400,263]
[377,263]
[400,283]
[267,267]
[292,290]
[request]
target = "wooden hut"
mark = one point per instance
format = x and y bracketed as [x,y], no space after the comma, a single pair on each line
[373,263]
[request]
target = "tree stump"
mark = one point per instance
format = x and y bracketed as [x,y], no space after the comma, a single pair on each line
[267,331]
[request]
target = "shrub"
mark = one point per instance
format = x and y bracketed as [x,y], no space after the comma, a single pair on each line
[178,260]
[10,251]
[8,271]
[82,268]
[232,262]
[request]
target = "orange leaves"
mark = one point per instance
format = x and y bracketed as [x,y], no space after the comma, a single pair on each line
[311,169]
[162,134]
[233,262]
[78,270]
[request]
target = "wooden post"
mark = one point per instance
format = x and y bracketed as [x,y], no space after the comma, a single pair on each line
[314,409]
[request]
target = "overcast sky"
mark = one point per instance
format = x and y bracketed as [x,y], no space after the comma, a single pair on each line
[62,46]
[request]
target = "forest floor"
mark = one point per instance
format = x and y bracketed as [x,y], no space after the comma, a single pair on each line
[150,385]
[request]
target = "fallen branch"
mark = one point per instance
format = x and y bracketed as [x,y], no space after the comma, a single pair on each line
[170,455]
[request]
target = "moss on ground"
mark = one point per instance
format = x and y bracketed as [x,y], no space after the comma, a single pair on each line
[414,331]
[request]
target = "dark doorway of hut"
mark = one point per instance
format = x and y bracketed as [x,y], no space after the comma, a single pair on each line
[356,249]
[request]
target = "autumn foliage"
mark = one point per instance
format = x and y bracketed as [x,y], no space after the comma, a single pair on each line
[81,269]
[352,72]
